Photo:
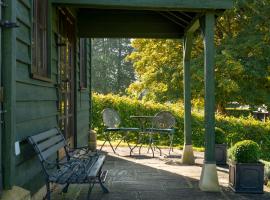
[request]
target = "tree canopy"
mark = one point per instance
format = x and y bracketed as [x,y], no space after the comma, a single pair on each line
[242,60]
[110,71]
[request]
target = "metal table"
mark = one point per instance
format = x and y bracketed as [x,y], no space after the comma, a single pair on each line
[143,120]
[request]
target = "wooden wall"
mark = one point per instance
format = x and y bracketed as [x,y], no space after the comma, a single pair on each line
[36,101]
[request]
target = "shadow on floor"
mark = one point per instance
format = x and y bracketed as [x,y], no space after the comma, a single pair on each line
[130,180]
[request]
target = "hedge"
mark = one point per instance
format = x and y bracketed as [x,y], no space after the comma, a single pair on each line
[236,129]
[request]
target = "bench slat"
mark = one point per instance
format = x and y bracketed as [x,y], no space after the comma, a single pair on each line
[50,142]
[44,135]
[53,149]
[93,171]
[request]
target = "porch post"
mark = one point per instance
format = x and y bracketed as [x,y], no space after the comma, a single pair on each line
[209,178]
[188,156]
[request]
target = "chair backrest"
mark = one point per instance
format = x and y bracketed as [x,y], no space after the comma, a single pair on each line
[164,120]
[47,143]
[111,119]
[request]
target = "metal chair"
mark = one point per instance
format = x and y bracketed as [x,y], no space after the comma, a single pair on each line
[163,122]
[111,120]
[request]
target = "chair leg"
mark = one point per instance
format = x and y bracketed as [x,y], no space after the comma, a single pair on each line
[112,147]
[160,152]
[103,145]
[171,144]
[140,149]
[107,138]
[153,152]
[118,144]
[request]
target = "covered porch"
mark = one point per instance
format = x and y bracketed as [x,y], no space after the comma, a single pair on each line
[147,178]
[163,19]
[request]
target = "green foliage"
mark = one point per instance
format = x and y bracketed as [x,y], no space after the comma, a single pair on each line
[110,71]
[238,112]
[241,66]
[158,65]
[236,129]
[220,136]
[246,151]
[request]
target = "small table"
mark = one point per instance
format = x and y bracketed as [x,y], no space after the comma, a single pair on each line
[143,119]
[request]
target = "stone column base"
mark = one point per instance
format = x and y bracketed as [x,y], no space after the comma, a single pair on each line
[16,193]
[209,178]
[188,156]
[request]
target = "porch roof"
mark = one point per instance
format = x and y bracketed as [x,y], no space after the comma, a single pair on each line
[141,18]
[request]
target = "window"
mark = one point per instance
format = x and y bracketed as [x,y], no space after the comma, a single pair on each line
[83,63]
[39,39]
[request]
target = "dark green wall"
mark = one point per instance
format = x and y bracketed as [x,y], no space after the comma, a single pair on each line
[36,101]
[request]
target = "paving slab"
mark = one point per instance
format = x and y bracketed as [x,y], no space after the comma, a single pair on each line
[141,177]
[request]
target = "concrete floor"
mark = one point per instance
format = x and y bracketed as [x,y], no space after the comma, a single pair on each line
[141,177]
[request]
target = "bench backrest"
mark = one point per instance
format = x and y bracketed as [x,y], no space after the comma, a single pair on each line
[47,143]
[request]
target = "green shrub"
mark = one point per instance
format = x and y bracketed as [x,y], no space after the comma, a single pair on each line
[220,136]
[236,129]
[238,112]
[246,151]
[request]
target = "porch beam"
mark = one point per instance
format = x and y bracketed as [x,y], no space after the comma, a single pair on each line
[188,156]
[194,24]
[209,178]
[150,4]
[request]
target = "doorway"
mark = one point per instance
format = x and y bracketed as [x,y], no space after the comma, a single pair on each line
[66,52]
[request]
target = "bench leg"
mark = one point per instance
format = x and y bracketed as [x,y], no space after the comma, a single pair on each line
[48,194]
[90,190]
[104,189]
[65,189]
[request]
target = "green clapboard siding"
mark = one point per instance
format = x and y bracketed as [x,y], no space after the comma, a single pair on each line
[36,101]
[36,107]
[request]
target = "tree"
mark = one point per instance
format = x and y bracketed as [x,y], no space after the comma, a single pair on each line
[110,71]
[158,65]
[242,61]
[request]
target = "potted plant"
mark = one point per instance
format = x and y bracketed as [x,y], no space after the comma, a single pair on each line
[221,147]
[246,173]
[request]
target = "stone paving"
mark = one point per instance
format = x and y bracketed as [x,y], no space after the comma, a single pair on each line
[141,177]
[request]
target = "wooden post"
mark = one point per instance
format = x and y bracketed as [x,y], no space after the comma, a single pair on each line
[9,74]
[188,156]
[209,179]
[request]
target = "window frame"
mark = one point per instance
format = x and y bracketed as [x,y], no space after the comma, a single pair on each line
[40,68]
[83,63]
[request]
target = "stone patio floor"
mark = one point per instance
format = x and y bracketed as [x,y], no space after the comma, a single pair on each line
[141,177]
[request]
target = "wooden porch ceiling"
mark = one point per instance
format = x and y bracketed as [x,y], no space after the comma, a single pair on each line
[133,24]
[140,18]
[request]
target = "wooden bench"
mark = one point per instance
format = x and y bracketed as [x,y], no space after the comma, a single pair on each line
[79,166]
